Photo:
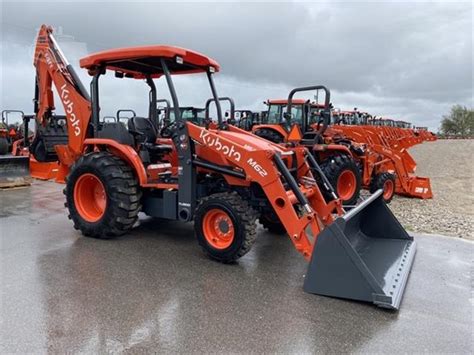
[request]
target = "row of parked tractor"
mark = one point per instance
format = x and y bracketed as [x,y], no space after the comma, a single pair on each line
[354,149]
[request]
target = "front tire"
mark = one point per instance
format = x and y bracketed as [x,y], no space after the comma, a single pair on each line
[344,176]
[102,196]
[386,182]
[3,146]
[225,226]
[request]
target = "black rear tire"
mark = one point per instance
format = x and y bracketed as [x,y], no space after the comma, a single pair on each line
[38,149]
[122,195]
[3,146]
[270,135]
[334,167]
[243,222]
[384,181]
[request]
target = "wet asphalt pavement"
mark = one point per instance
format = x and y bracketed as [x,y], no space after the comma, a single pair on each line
[154,290]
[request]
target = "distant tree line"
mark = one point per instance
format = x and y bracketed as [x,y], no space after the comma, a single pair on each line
[458,123]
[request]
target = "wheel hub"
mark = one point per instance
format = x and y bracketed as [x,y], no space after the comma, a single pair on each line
[90,198]
[346,185]
[387,189]
[218,229]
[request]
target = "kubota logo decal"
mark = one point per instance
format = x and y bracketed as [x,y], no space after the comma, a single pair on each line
[49,61]
[215,142]
[257,167]
[69,106]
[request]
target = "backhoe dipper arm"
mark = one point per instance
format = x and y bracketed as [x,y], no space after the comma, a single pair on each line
[53,68]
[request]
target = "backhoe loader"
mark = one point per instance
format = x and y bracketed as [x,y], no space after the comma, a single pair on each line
[223,178]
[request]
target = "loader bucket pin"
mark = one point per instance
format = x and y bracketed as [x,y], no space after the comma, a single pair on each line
[365,255]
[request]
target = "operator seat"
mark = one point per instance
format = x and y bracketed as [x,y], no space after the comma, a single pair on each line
[145,136]
[311,138]
[143,129]
[116,131]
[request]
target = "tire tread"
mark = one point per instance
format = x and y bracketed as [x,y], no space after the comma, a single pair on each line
[123,196]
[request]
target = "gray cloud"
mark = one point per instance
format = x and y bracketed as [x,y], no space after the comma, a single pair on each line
[405,60]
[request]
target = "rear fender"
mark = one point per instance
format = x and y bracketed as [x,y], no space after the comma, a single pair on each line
[125,152]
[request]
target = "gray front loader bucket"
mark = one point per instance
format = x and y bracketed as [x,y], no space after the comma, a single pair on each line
[365,255]
[14,171]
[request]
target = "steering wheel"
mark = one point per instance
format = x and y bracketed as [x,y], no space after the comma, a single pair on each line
[168,129]
[318,124]
[245,124]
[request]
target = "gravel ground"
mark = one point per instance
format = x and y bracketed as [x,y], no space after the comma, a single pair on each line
[448,163]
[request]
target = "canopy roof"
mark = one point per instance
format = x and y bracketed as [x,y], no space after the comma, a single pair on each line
[138,62]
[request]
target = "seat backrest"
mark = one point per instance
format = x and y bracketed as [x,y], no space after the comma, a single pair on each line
[116,131]
[311,137]
[143,126]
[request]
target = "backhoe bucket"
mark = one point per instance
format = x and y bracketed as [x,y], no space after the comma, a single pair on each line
[14,171]
[365,255]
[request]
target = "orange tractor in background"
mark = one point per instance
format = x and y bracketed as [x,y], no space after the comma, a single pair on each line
[292,121]
[220,178]
[338,154]
[425,134]
[23,153]
[380,155]
[14,170]
[10,132]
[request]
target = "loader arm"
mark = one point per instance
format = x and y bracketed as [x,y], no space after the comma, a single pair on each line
[298,207]
[53,68]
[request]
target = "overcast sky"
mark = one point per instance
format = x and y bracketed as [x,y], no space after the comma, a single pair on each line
[405,60]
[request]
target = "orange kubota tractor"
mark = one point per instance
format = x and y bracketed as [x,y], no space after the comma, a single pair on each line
[10,132]
[221,178]
[23,153]
[374,165]
[293,121]
[14,170]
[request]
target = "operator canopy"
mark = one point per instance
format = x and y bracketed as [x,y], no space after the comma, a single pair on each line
[140,62]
